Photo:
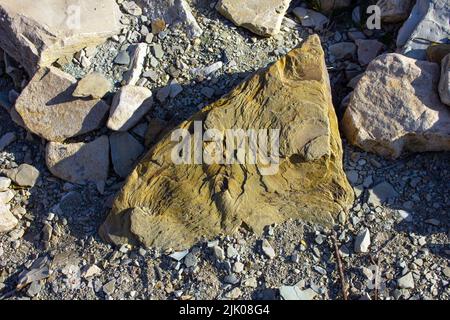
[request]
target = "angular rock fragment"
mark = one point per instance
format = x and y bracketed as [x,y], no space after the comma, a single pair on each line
[37,33]
[428,23]
[137,64]
[79,162]
[130,104]
[172,12]
[263,17]
[48,108]
[396,107]
[94,85]
[310,18]
[166,204]
[125,150]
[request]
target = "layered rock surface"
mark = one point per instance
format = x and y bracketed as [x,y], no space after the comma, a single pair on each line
[396,107]
[167,205]
[37,33]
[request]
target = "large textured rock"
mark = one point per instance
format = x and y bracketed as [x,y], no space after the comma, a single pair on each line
[79,162]
[37,33]
[168,205]
[172,12]
[428,23]
[262,17]
[48,108]
[444,83]
[395,107]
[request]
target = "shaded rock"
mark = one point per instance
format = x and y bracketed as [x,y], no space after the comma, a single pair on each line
[330,5]
[395,107]
[428,22]
[125,150]
[7,139]
[310,18]
[437,52]
[129,105]
[368,50]
[94,85]
[36,34]
[79,162]
[172,12]
[343,50]
[394,11]
[7,220]
[155,129]
[25,175]
[49,110]
[262,17]
[208,200]
[123,58]
[444,83]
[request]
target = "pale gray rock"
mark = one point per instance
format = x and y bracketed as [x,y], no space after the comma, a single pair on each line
[37,33]
[262,17]
[267,249]
[125,151]
[406,282]
[129,105]
[49,110]
[139,53]
[428,22]
[382,193]
[79,162]
[4,183]
[26,175]
[310,18]
[172,12]
[295,293]
[6,197]
[362,241]
[396,108]
[7,220]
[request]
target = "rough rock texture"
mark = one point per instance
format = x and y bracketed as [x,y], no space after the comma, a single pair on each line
[393,11]
[169,205]
[428,22]
[444,83]
[262,17]
[79,162]
[172,12]
[49,110]
[37,33]
[129,105]
[395,107]
[94,85]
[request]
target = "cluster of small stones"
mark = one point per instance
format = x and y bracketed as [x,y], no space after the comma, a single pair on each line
[398,224]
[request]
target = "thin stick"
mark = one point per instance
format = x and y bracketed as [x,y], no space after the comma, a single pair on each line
[340,266]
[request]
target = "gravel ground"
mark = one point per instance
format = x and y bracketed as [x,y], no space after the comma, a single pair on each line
[57,236]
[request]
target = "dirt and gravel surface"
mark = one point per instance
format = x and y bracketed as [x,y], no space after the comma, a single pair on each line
[404,240]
